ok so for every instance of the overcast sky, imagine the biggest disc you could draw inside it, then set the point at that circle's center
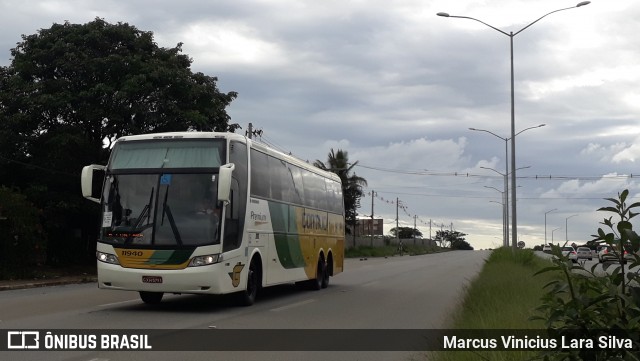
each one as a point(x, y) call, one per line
point(398, 87)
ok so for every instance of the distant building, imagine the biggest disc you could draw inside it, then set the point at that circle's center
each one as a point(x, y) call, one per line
point(367, 226)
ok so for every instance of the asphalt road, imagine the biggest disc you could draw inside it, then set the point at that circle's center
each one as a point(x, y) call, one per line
point(409, 292)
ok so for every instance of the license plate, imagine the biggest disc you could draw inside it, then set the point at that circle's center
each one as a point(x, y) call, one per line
point(151, 279)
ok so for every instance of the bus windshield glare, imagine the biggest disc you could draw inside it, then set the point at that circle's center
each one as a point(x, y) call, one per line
point(162, 154)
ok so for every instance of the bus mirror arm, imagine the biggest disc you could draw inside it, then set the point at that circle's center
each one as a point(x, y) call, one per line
point(224, 182)
point(91, 182)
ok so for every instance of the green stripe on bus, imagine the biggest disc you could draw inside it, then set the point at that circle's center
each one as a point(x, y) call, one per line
point(289, 252)
point(279, 216)
point(287, 245)
point(179, 257)
point(169, 257)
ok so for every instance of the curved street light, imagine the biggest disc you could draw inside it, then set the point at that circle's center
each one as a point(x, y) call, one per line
point(552, 233)
point(566, 227)
point(545, 224)
point(505, 210)
point(514, 227)
point(505, 220)
point(506, 179)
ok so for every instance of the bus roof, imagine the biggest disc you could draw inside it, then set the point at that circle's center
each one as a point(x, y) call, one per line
point(181, 135)
point(231, 136)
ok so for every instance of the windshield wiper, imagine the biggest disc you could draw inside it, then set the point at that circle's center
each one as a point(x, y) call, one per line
point(146, 213)
point(167, 210)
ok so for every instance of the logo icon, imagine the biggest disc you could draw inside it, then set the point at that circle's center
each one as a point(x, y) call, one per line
point(235, 275)
point(23, 340)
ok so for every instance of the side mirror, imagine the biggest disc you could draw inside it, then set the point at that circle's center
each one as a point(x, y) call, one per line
point(91, 180)
point(224, 182)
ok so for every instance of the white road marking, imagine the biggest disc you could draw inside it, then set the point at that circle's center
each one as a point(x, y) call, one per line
point(301, 303)
point(118, 303)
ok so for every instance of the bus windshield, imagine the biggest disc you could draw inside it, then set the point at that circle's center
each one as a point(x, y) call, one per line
point(161, 209)
point(157, 154)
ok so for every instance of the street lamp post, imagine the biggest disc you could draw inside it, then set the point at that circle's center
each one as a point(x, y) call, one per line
point(506, 178)
point(506, 209)
point(552, 234)
point(514, 226)
point(505, 220)
point(566, 228)
point(545, 224)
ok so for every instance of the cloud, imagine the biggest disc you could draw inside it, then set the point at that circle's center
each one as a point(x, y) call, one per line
point(226, 43)
point(398, 87)
point(627, 153)
point(419, 154)
point(616, 153)
point(607, 185)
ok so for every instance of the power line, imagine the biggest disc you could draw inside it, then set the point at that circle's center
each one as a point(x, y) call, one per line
point(488, 197)
point(426, 172)
point(400, 204)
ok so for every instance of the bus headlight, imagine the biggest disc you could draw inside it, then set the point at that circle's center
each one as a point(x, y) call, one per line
point(205, 260)
point(107, 258)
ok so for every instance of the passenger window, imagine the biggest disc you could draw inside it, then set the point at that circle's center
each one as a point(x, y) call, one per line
point(276, 178)
point(298, 186)
point(260, 178)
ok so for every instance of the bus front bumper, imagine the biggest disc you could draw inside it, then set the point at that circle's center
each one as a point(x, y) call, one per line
point(211, 279)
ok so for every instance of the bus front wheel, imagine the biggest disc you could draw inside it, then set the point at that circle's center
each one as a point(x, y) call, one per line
point(248, 296)
point(151, 298)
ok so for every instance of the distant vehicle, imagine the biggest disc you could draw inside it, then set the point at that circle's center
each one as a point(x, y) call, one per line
point(570, 253)
point(628, 253)
point(584, 253)
point(546, 248)
point(607, 253)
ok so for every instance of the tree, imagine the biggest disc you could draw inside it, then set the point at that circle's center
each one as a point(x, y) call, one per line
point(338, 163)
point(106, 81)
point(453, 240)
point(21, 240)
point(71, 91)
point(406, 232)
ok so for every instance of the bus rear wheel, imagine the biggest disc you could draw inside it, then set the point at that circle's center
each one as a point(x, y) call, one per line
point(321, 272)
point(151, 298)
point(325, 276)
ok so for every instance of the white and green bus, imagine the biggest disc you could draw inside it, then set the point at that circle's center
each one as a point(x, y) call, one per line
point(212, 213)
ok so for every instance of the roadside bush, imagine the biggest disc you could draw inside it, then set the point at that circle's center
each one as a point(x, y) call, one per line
point(586, 304)
point(21, 237)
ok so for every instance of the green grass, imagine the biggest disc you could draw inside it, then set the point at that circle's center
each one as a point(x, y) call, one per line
point(504, 296)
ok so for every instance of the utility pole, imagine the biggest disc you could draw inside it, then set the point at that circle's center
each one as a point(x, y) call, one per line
point(372, 197)
point(397, 220)
point(415, 229)
point(355, 229)
point(251, 133)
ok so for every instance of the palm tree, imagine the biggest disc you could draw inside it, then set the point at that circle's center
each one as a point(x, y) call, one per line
point(338, 163)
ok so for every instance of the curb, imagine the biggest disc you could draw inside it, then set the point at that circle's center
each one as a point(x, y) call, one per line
point(16, 285)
